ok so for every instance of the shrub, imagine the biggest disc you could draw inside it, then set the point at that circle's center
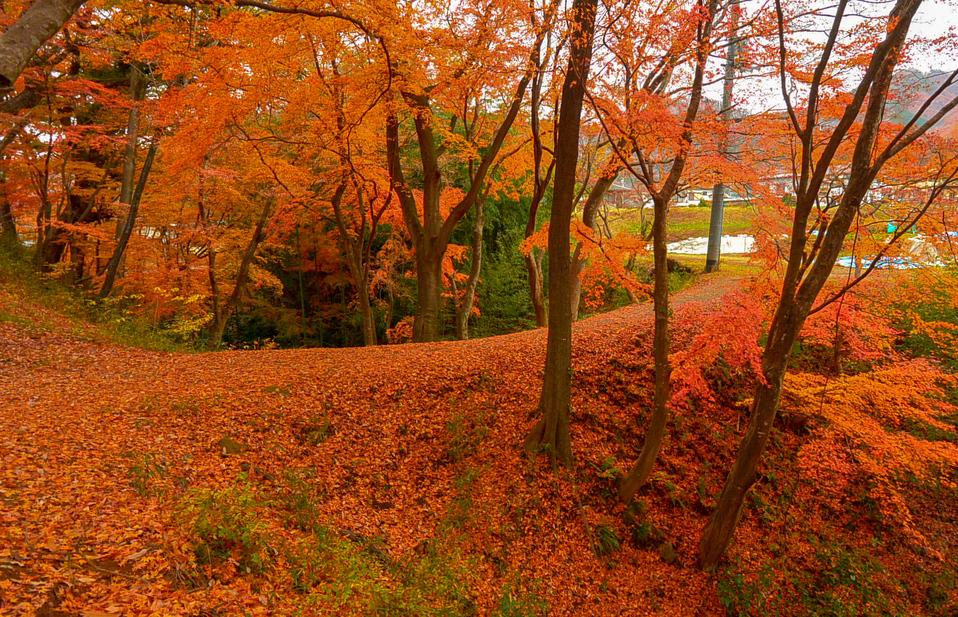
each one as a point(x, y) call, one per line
point(226, 524)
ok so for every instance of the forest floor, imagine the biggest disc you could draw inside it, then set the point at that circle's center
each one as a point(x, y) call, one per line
point(386, 480)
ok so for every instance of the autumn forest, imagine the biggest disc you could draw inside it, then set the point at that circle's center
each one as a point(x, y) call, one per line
point(479, 307)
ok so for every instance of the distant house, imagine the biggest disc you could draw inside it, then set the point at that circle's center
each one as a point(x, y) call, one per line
point(627, 192)
point(779, 185)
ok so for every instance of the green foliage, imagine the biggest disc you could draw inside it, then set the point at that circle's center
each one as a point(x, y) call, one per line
point(335, 572)
point(609, 469)
point(315, 431)
point(935, 306)
point(435, 583)
point(298, 500)
point(283, 391)
point(938, 589)
point(504, 301)
point(930, 432)
point(460, 509)
point(690, 222)
point(144, 471)
point(467, 430)
point(343, 574)
point(112, 319)
point(517, 603)
point(839, 582)
point(227, 524)
point(606, 540)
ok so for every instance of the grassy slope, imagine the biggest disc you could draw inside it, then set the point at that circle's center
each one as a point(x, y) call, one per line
point(391, 481)
point(45, 305)
point(687, 222)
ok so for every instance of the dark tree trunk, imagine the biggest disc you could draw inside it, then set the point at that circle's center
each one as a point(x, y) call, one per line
point(214, 291)
point(8, 226)
point(541, 179)
point(128, 178)
point(428, 322)
point(367, 315)
point(536, 291)
point(655, 435)
point(551, 433)
point(223, 312)
point(113, 267)
point(728, 511)
point(464, 310)
point(589, 212)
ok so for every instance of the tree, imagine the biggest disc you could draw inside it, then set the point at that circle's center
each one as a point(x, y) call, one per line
point(844, 128)
point(541, 177)
point(429, 228)
point(638, 112)
point(128, 223)
point(551, 432)
point(131, 189)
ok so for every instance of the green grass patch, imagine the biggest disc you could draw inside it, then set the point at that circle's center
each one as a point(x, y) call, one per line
point(228, 524)
point(685, 222)
point(43, 303)
point(837, 581)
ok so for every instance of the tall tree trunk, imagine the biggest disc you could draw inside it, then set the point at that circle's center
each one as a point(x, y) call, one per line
point(721, 527)
point(215, 299)
point(128, 178)
point(717, 214)
point(551, 433)
point(113, 267)
point(33, 28)
point(536, 289)
point(655, 435)
point(575, 294)
point(464, 310)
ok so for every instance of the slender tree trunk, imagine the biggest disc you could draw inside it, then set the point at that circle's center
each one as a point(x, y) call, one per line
point(721, 527)
point(800, 289)
point(589, 212)
point(639, 474)
point(113, 267)
point(221, 316)
point(551, 433)
point(214, 291)
point(128, 178)
point(536, 291)
point(464, 310)
point(578, 266)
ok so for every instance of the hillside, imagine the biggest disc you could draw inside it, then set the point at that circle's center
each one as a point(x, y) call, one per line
point(386, 480)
